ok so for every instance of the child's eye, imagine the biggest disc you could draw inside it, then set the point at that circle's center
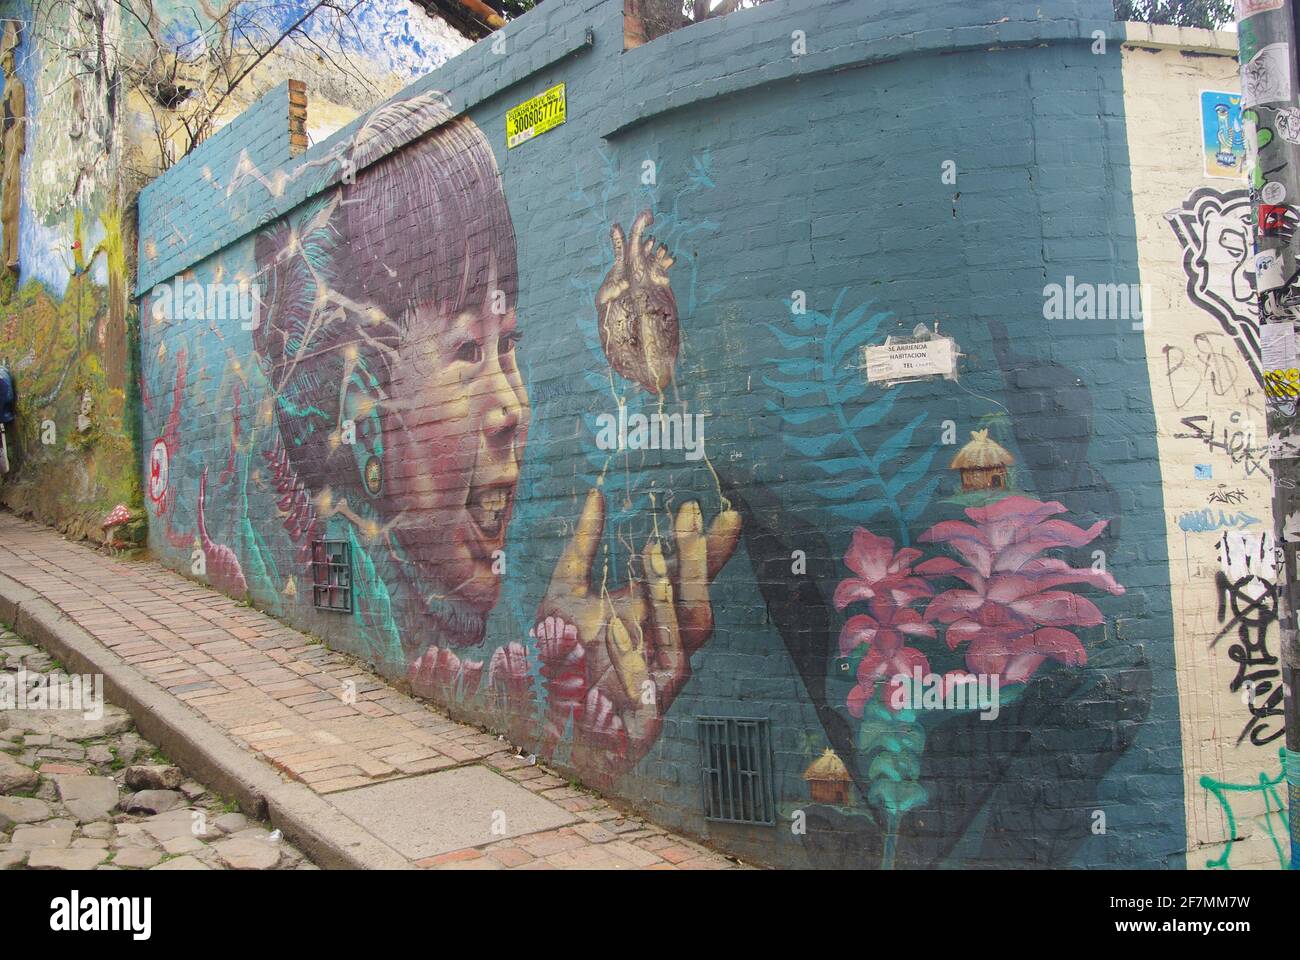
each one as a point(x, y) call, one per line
point(469, 352)
point(506, 344)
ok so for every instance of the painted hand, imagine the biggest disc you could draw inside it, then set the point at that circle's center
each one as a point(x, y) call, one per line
point(616, 661)
point(636, 311)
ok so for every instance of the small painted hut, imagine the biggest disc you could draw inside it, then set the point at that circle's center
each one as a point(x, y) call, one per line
point(982, 463)
point(828, 779)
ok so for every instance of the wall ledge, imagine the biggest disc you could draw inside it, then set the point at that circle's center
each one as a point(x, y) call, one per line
point(862, 52)
point(1164, 37)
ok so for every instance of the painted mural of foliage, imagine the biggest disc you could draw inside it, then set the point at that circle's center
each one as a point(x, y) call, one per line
point(869, 474)
point(55, 348)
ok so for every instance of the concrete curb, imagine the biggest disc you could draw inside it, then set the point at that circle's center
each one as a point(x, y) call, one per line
point(310, 822)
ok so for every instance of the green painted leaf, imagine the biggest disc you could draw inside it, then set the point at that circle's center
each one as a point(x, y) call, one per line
point(259, 568)
point(797, 416)
point(921, 499)
point(374, 609)
point(851, 392)
point(798, 367)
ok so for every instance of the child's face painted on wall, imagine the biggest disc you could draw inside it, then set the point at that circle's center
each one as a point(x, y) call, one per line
point(454, 436)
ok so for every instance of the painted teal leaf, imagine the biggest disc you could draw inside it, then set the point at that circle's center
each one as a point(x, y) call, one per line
point(850, 392)
point(841, 491)
point(909, 474)
point(374, 609)
point(836, 466)
point(856, 338)
point(797, 416)
point(808, 321)
point(811, 446)
point(258, 564)
point(851, 319)
point(921, 499)
point(896, 444)
point(798, 367)
point(789, 341)
point(873, 413)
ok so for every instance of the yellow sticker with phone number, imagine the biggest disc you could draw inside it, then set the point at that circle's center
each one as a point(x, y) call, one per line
point(534, 117)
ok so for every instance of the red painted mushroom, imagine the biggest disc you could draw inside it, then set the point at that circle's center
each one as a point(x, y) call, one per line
point(119, 516)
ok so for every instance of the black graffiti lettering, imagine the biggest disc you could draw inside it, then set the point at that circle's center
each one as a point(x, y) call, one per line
point(1224, 495)
point(1252, 602)
point(1236, 445)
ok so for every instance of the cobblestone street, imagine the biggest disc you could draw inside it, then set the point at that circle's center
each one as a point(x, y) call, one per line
point(82, 793)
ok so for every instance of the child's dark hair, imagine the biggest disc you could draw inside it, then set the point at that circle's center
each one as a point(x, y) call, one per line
point(424, 221)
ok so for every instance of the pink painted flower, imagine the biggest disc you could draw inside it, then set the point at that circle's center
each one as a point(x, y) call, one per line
point(886, 631)
point(881, 573)
point(889, 660)
point(886, 583)
point(1013, 616)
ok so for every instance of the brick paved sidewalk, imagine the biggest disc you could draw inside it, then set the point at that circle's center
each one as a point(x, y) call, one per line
point(279, 695)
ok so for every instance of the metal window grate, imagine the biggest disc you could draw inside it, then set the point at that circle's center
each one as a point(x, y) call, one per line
point(736, 769)
point(331, 574)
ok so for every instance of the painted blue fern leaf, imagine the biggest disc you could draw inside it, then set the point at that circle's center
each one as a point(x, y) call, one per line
point(869, 472)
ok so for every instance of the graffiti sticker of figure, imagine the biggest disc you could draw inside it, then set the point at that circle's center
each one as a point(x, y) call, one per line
point(402, 421)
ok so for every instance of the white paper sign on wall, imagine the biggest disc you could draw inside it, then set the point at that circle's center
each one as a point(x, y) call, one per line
point(903, 359)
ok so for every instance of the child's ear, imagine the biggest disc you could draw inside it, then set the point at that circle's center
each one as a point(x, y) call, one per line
point(360, 430)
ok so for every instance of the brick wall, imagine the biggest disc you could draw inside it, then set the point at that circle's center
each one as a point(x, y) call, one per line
point(798, 163)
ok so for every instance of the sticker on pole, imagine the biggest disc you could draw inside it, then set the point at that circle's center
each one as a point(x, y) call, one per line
point(534, 117)
point(1248, 8)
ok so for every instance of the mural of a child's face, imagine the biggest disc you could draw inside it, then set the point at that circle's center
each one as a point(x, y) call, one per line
point(454, 431)
point(392, 311)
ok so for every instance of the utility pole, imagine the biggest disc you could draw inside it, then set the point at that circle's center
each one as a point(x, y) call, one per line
point(1270, 71)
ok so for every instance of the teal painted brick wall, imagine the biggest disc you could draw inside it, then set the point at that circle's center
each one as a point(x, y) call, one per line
point(772, 174)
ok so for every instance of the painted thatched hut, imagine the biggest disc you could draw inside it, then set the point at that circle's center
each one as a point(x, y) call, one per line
point(982, 463)
point(828, 779)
